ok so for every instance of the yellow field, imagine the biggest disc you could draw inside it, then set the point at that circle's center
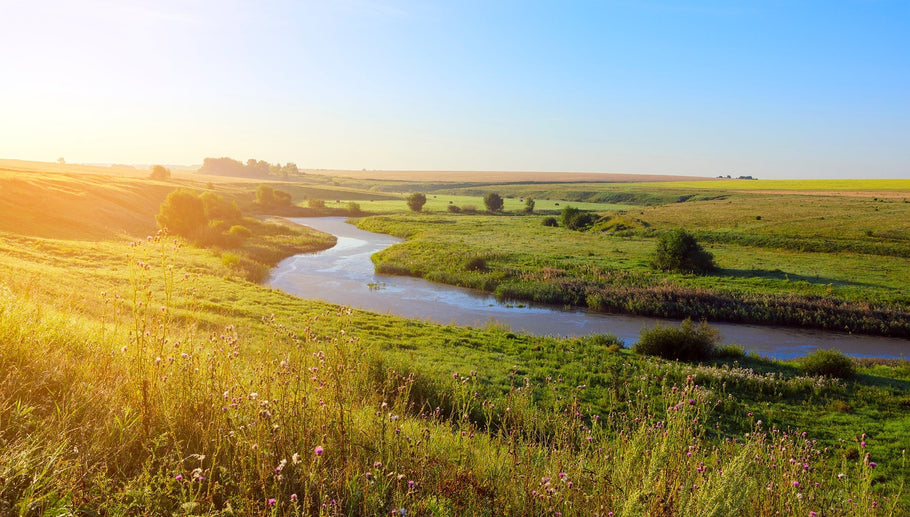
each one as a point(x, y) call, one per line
point(885, 187)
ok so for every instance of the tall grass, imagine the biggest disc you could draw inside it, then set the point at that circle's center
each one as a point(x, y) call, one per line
point(154, 410)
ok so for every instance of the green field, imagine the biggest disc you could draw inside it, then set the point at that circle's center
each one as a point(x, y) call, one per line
point(149, 376)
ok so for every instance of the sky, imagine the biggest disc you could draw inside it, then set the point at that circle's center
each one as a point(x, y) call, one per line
point(771, 89)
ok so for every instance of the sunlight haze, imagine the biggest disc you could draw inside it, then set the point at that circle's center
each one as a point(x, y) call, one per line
point(772, 89)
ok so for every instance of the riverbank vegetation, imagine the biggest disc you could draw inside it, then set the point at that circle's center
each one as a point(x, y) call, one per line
point(145, 376)
point(828, 262)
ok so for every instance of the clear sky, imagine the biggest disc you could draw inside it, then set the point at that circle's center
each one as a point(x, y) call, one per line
point(773, 89)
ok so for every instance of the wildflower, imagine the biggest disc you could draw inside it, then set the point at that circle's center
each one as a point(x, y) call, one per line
point(272, 502)
point(411, 484)
point(295, 458)
point(872, 464)
point(369, 476)
point(179, 477)
point(813, 514)
point(796, 483)
point(293, 498)
point(318, 450)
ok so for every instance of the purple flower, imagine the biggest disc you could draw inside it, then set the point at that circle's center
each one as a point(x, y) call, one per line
point(272, 502)
point(293, 498)
point(872, 464)
point(318, 450)
point(179, 477)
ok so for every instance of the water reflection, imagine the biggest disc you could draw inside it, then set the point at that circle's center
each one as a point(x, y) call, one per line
point(345, 275)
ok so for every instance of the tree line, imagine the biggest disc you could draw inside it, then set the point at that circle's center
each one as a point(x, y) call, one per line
point(252, 168)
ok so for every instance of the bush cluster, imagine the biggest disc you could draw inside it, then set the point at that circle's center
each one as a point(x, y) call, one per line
point(576, 219)
point(828, 363)
point(689, 342)
point(677, 250)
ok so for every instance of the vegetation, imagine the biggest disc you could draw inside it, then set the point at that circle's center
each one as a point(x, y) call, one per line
point(252, 168)
point(174, 386)
point(160, 172)
point(529, 206)
point(272, 198)
point(689, 342)
point(763, 277)
point(828, 363)
point(493, 202)
point(677, 250)
point(416, 201)
point(575, 219)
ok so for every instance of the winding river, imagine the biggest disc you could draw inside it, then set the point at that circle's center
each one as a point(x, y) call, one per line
point(345, 275)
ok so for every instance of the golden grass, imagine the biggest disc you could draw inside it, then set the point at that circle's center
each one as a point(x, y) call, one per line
point(866, 187)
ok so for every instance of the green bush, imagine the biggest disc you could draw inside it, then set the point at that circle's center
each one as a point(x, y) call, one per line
point(182, 213)
point(216, 207)
point(677, 250)
point(476, 264)
point(315, 203)
point(493, 202)
point(828, 363)
point(416, 201)
point(454, 209)
point(549, 221)
point(529, 205)
point(575, 219)
point(689, 342)
point(354, 209)
point(241, 232)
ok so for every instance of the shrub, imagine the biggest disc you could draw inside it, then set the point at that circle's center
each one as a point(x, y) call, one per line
point(493, 202)
point(354, 208)
point(454, 209)
point(182, 213)
point(529, 205)
point(689, 342)
point(828, 363)
point(476, 264)
point(416, 201)
point(608, 341)
point(677, 250)
point(549, 221)
point(315, 203)
point(575, 219)
point(216, 207)
point(265, 195)
point(241, 232)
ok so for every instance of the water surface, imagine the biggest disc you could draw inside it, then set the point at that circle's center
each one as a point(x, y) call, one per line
point(345, 275)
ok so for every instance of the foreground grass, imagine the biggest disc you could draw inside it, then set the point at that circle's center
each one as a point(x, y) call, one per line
point(182, 388)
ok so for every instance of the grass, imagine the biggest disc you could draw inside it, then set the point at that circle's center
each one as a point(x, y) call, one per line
point(817, 264)
point(172, 385)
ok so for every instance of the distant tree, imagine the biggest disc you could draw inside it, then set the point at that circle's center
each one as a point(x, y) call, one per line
point(416, 201)
point(160, 172)
point(677, 250)
point(61, 161)
point(493, 202)
point(529, 205)
point(290, 169)
point(182, 213)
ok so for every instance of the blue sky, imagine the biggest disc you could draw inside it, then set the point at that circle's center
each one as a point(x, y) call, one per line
point(774, 89)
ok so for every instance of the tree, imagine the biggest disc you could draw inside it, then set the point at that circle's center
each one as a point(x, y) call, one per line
point(529, 205)
point(416, 201)
point(160, 172)
point(265, 195)
point(677, 250)
point(182, 213)
point(218, 208)
point(493, 202)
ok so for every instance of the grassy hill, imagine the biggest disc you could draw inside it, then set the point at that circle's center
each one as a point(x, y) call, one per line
point(146, 376)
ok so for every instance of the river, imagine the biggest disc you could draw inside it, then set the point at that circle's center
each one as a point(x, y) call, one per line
point(344, 275)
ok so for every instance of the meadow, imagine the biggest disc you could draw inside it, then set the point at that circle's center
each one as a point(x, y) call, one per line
point(808, 260)
point(141, 375)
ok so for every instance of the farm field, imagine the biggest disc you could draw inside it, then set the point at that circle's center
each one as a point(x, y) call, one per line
point(141, 373)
